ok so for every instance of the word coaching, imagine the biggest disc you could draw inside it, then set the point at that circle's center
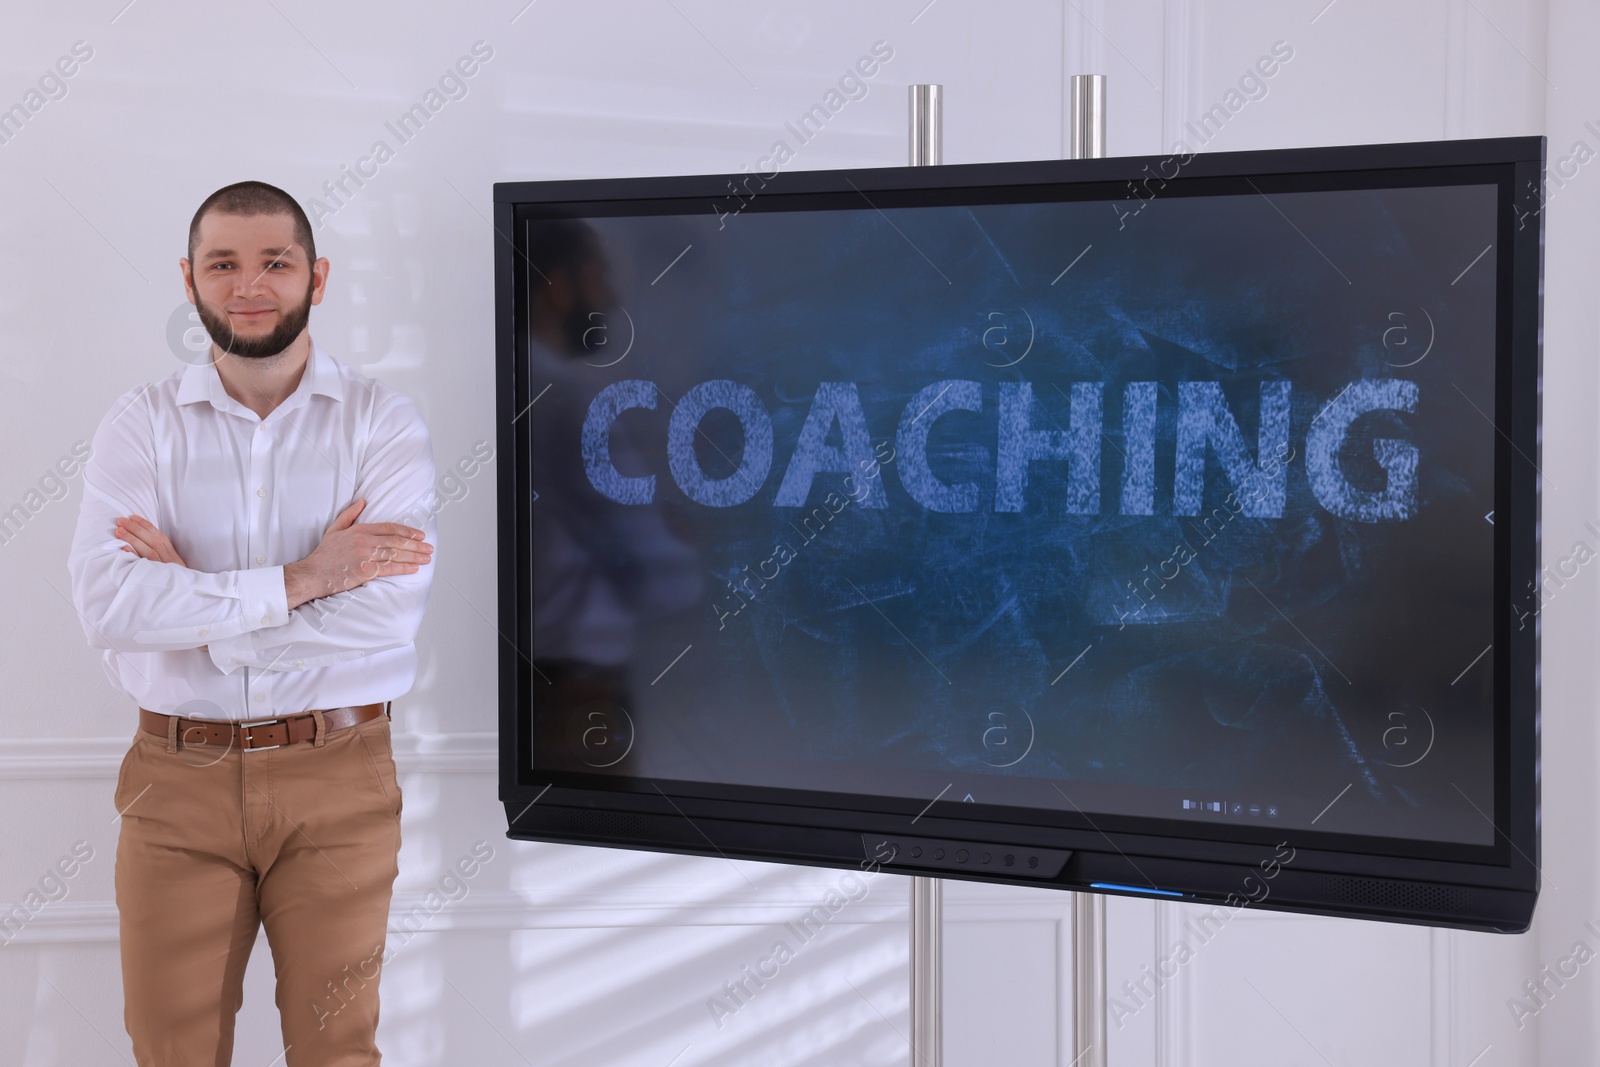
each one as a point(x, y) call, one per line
point(1204, 424)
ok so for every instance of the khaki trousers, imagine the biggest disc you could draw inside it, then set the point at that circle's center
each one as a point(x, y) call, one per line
point(302, 840)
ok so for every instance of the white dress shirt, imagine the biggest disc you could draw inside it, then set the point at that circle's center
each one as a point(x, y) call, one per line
point(240, 496)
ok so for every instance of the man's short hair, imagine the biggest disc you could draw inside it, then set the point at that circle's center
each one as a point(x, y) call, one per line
point(255, 198)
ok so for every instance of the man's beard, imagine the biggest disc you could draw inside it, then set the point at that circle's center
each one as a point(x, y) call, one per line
point(218, 326)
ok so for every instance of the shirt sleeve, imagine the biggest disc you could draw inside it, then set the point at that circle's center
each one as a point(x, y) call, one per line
point(131, 604)
point(396, 480)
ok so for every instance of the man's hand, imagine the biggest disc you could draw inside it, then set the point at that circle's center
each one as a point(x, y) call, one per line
point(147, 542)
point(353, 554)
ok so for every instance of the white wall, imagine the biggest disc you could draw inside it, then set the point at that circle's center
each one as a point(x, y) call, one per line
point(575, 956)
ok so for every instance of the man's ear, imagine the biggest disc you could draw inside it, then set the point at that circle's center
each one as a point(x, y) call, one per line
point(186, 269)
point(319, 279)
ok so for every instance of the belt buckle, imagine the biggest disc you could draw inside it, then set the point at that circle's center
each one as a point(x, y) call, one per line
point(245, 728)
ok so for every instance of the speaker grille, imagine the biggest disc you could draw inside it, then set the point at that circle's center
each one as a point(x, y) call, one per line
point(1378, 893)
point(600, 824)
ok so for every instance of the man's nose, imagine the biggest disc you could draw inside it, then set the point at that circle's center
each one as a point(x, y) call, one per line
point(247, 282)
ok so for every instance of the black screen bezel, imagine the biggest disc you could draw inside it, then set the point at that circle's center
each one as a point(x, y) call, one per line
point(1514, 165)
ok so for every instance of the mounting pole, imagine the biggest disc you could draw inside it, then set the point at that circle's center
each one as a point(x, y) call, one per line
point(927, 898)
point(1088, 111)
point(1089, 979)
point(927, 125)
point(1088, 141)
point(927, 972)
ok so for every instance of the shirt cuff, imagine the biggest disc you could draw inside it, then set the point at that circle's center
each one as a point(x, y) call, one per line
point(263, 598)
point(229, 653)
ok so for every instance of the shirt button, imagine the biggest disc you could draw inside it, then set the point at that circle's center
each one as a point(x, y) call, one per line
point(261, 559)
point(267, 617)
point(260, 697)
point(261, 492)
point(299, 666)
point(204, 631)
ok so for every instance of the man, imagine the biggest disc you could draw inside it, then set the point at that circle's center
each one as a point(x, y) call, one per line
point(601, 572)
point(262, 631)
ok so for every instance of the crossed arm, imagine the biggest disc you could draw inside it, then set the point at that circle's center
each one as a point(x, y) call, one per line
point(148, 542)
point(361, 590)
point(349, 556)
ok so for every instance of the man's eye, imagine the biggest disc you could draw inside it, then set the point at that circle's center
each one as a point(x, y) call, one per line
point(278, 263)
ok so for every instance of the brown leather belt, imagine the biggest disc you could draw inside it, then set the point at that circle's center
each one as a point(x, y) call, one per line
point(258, 733)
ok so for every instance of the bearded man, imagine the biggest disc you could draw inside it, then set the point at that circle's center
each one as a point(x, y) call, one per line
point(262, 632)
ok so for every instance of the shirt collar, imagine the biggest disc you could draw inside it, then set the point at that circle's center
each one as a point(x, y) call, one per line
point(201, 381)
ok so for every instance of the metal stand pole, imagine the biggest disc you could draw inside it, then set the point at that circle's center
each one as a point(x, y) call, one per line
point(1088, 141)
point(927, 903)
point(1088, 111)
point(927, 125)
point(927, 973)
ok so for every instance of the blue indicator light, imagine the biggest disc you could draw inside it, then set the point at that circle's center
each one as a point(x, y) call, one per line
point(1135, 889)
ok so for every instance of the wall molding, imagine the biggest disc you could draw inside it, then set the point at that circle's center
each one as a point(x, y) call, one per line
point(1441, 992)
point(1173, 1009)
point(1454, 119)
point(1179, 69)
point(578, 907)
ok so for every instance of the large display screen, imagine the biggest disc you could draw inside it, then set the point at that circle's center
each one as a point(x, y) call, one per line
point(1165, 504)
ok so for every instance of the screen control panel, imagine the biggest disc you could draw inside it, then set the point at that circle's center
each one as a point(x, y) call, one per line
point(945, 854)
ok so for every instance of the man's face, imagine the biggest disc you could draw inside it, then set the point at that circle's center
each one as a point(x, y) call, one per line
point(251, 283)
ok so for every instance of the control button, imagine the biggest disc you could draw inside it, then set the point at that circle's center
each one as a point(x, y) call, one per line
point(977, 857)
